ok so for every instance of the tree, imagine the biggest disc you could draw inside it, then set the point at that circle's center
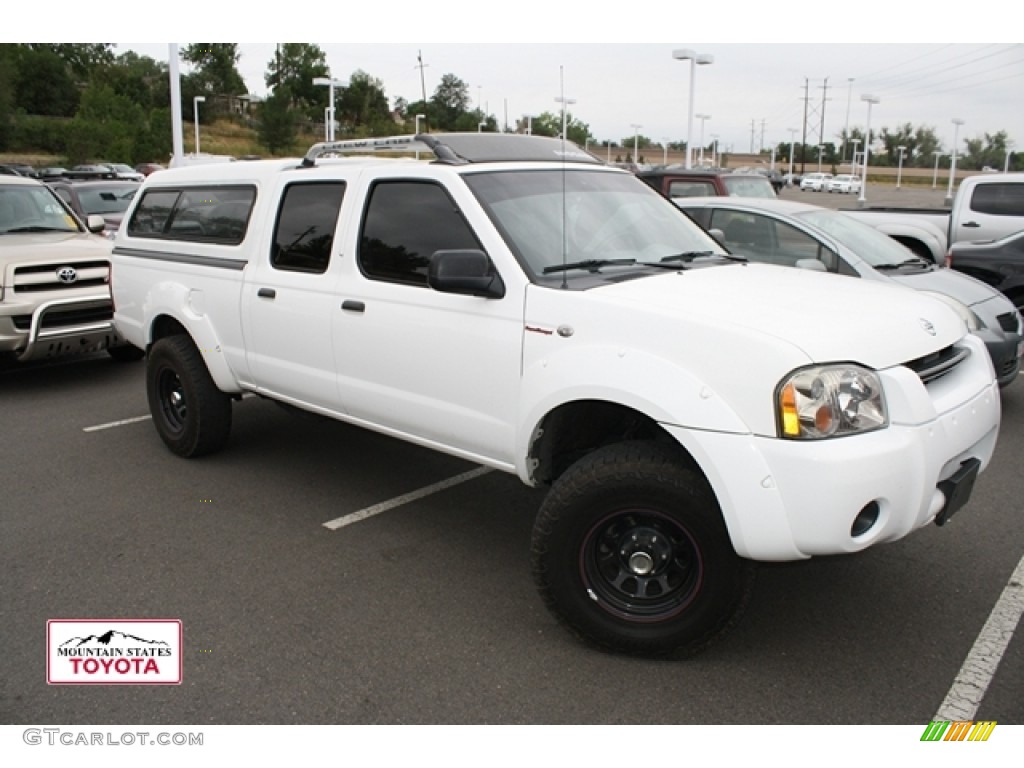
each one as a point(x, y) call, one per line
point(550, 124)
point(43, 83)
point(362, 104)
point(990, 151)
point(277, 125)
point(81, 59)
point(449, 102)
point(216, 68)
point(294, 65)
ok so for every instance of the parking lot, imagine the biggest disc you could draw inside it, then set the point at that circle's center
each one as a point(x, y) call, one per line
point(422, 609)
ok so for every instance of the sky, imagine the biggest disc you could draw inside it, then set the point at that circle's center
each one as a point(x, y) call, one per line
point(754, 92)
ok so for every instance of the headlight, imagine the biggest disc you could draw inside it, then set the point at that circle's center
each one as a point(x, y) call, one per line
point(830, 401)
point(966, 313)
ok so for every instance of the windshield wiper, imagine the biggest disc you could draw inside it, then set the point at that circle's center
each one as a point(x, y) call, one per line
point(688, 256)
point(591, 265)
point(917, 261)
point(37, 228)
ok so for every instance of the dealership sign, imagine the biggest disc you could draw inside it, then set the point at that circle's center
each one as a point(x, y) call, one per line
point(113, 651)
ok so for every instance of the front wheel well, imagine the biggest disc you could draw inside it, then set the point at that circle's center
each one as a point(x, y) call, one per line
point(915, 245)
point(574, 430)
point(164, 326)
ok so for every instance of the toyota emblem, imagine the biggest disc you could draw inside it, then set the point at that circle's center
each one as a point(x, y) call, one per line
point(927, 326)
point(67, 275)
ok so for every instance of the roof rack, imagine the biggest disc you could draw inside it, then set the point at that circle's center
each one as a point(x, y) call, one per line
point(460, 148)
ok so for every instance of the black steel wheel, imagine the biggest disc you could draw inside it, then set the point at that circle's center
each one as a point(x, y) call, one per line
point(631, 553)
point(190, 414)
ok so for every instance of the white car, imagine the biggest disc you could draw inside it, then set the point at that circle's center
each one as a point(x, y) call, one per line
point(815, 182)
point(844, 183)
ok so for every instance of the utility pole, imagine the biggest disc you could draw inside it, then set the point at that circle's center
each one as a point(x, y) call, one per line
point(753, 125)
point(824, 98)
point(423, 83)
point(760, 149)
point(803, 139)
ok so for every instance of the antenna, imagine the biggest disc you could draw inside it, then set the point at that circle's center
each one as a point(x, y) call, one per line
point(561, 97)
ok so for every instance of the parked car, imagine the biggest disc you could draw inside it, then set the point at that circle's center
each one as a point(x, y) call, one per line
point(815, 182)
point(54, 278)
point(1000, 263)
point(91, 171)
point(147, 168)
point(676, 181)
point(18, 169)
point(108, 199)
point(796, 234)
point(844, 183)
point(774, 177)
point(51, 173)
point(125, 172)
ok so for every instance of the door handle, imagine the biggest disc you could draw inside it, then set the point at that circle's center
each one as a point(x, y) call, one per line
point(353, 306)
point(973, 224)
point(266, 293)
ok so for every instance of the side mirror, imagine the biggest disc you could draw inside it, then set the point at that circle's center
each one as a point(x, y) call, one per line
point(718, 235)
point(95, 223)
point(812, 264)
point(467, 272)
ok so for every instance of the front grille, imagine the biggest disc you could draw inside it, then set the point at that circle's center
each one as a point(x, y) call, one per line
point(38, 278)
point(59, 318)
point(1008, 322)
point(937, 364)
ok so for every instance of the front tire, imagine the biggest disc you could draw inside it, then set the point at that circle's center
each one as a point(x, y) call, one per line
point(630, 552)
point(190, 414)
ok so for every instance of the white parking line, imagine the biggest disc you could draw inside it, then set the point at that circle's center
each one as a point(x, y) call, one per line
point(398, 501)
point(111, 424)
point(979, 667)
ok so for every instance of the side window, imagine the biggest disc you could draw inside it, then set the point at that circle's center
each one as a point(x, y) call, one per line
point(691, 189)
point(201, 214)
point(999, 199)
point(304, 233)
point(404, 224)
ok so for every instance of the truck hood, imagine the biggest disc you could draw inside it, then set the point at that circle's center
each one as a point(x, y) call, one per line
point(828, 317)
point(47, 247)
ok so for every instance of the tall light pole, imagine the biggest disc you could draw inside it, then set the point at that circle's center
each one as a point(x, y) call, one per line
point(331, 84)
point(957, 122)
point(686, 54)
point(853, 160)
point(417, 131)
point(636, 138)
point(565, 102)
point(702, 118)
point(820, 148)
point(792, 146)
point(195, 117)
point(899, 169)
point(935, 173)
point(862, 200)
point(529, 125)
point(714, 150)
point(1006, 162)
point(846, 132)
point(664, 150)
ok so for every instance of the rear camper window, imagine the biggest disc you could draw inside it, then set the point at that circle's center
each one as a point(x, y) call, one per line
point(200, 214)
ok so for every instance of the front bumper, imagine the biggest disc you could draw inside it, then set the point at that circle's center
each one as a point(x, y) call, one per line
point(60, 327)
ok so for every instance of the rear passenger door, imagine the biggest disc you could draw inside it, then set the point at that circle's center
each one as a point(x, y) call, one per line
point(289, 299)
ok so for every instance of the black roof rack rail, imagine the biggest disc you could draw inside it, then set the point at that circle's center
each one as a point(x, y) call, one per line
point(460, 148)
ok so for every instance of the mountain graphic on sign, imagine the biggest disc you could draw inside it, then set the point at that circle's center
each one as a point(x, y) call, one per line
point(108, 638)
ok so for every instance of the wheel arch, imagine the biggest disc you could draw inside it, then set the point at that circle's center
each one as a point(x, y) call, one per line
point(166, 324)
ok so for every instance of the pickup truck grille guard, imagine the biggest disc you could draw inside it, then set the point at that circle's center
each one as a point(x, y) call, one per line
point(937, 364)
point(92, 326)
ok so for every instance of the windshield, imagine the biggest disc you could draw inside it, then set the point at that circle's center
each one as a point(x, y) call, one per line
point(748, 186)
point(866, 242)
point(33, 209)
point(555, 217)
point(113, 198)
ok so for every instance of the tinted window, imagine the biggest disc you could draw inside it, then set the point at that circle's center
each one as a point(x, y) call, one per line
point(405, 223)
point(691, 189)
point(201, 214)
point(999, 199)
point(304, 235)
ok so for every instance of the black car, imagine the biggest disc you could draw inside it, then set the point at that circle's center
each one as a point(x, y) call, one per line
point(1000, 263)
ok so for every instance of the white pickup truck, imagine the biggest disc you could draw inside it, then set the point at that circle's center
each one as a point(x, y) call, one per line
point(519, 304)
point(986, 207)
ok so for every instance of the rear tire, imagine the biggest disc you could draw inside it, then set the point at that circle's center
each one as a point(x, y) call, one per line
point(190, 414)
point(630, 552)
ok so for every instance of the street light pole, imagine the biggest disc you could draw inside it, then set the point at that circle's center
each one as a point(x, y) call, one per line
point(195, 116)
point(792, 146)
point(686, 54)
point(331, 84)
point(853, 160)
point(820, 147)
point(862, 200)
point(714, 150)
point(664, 150)
point(935, 173)
point(702, 118)
point(565, 102)
point(957, 122)
point(846, 132)
point(899, 169)
point(636, 137)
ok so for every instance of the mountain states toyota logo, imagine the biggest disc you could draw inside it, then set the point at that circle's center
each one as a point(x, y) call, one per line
point(113, 651)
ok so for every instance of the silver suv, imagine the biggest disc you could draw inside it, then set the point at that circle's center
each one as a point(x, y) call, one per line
point(54, 278)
